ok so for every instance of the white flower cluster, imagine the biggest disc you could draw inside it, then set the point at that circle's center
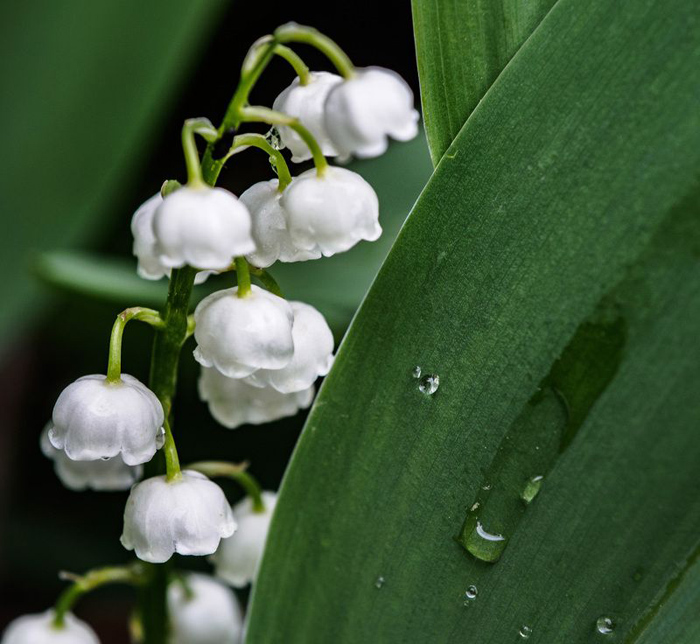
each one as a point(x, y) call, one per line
point(260, 354)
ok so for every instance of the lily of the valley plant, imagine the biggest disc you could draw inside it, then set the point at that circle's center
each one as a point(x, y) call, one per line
point(260, 354)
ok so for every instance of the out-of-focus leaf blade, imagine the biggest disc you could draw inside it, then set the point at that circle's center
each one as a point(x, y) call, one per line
point(85, 86)
point(554, 257)
point(461, 48)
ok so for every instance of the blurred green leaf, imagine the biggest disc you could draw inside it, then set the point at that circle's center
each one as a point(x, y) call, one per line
point(550, 275)
point(85, 86)
point(461, 48)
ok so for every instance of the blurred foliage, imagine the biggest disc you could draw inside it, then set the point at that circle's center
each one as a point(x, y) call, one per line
point(83, 85)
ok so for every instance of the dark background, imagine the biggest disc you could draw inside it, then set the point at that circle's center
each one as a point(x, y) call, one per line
point(45, 528)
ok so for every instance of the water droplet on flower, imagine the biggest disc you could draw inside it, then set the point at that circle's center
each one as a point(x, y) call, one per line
point(532, 488)
point(105, 458)
point(160, 437)
point(429, 384)
point(605, 625)
point(525, 631)
point(416, 373)
point(471, 592)
point(273, 138)
point(380, 582)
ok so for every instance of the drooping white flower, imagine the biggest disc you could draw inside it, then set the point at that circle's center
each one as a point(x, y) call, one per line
point(238, 557)
point(188, 515)
point(101, 475)
point(203, 227)
point(306, 102)
point(94, 418)
point(313, 353)
point(331, 212)
point(363, 111)
point(203, 611)
point(239, 335)
point(270, 233)
point(233, 402)
point(39, 629)
point(144, 248)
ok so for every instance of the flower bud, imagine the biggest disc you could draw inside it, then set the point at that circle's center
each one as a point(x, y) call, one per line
point(306, 102)
point(272, 239)
point(203, 611)
point(363, 111)
point(188, 515)
point(40, 629)
point(239, 335)
point(313, 353)
point(234, 402)
point(331, 212)
point(94, 419)
point(101, 475)
point(203, 227)
point(238, 557)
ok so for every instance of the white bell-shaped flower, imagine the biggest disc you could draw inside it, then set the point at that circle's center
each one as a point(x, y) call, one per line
point(203, 611)
point(39, 629)
point(363, 111)
point(94, 418)
point(238, 557)
point(233, 402)
point(239, 335)
point(188, 515)
point(306, 102)
point(331, 212)
point(101, 475)
point(313, 353)
point(203, 227)
point(272, 240)
point(144, 248)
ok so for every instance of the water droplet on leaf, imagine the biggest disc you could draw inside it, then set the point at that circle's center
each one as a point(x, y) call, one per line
point(429, 384)
point(532, 489)
point(471, 592)
point(525, 631)
point(605, 625)
point(416, 373)
point(380, 582)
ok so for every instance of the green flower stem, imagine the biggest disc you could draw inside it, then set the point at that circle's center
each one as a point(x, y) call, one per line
point(244, 141)
point(91, 580)
point(172, 461)
point(242, 276)
point(296, 62)
point(191, 127)
point(114, 366)
point(265, 115)
point(292, 32)
point(269, 282)
point(237, 472)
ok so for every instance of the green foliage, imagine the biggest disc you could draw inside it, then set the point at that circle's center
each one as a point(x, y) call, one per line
point(462, 47)
point(557, 243)
point(79, 104)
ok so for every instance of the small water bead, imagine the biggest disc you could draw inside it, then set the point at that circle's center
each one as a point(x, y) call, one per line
point(605, 625)
point(471, 593)
point(429, 384)
point(417, 371)
point(380, 582)
point(525, 631)
point(160, 438)
point(273, 138)
point(532, 489)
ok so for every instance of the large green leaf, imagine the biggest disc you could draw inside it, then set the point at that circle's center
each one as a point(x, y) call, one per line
point(461, 48)
point(550, 275)
point(84, 89)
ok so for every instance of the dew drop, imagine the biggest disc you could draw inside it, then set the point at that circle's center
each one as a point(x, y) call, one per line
point(525, 631)
point(605, 625)
point(380, 582)
point(273, 138)
point(105, 458)
point(471, 593)
point(160, 438)
point(417, 371)
point(532, 489)
point(429, 384)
